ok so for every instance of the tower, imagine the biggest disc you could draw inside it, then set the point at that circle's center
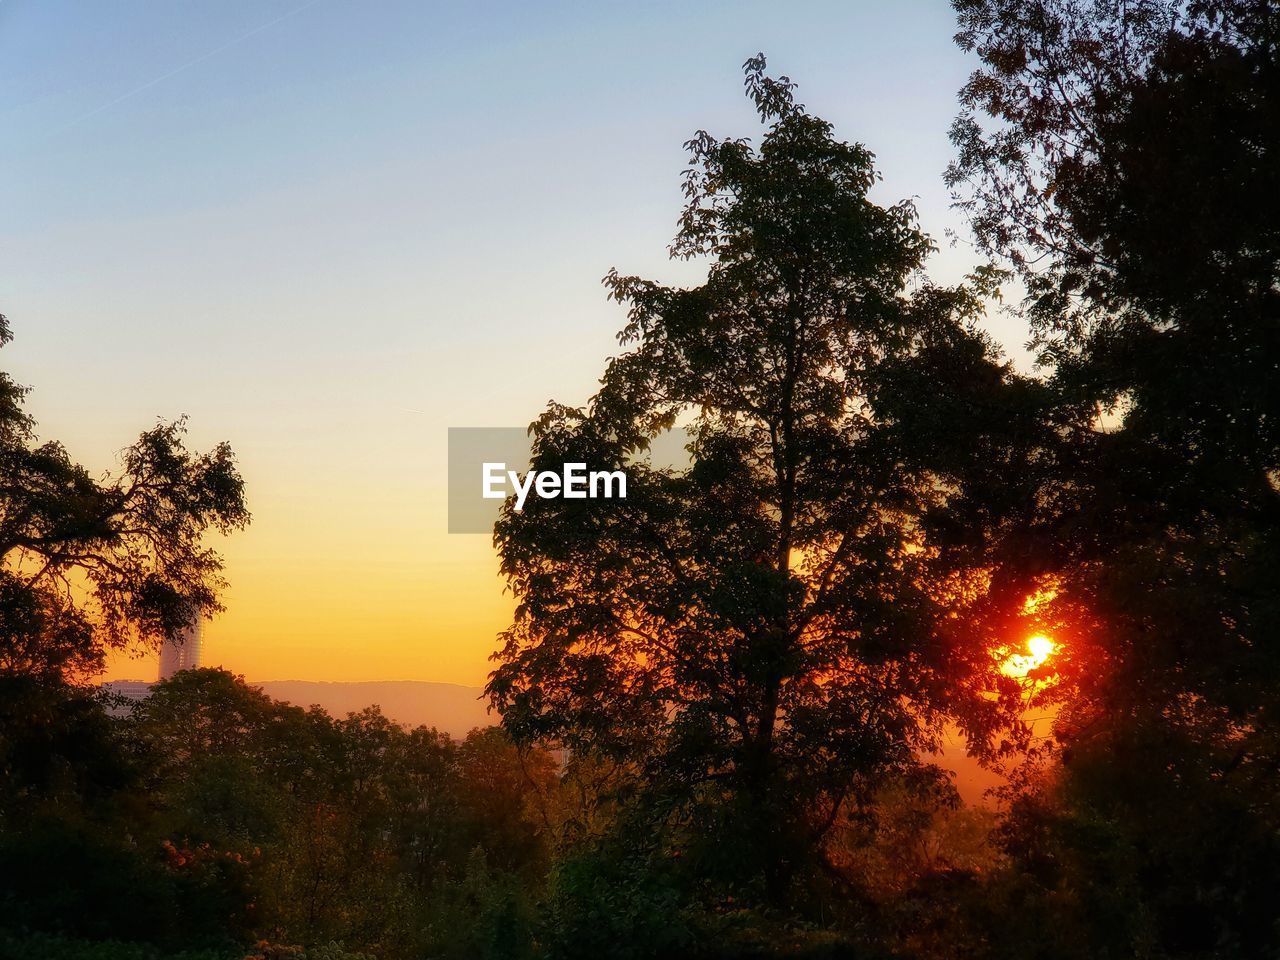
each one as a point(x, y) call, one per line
point(181, 650)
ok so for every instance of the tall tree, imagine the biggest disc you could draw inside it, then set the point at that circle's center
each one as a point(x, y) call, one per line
point(767, 629)
point(1122, 156)
point(1126, 166)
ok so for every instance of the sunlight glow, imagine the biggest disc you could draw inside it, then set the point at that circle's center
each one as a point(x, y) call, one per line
point(1039, 649)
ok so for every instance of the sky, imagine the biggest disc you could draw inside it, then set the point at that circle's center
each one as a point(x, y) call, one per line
point(328, 231)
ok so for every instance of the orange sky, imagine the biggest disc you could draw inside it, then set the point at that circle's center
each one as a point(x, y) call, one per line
point(419, 605)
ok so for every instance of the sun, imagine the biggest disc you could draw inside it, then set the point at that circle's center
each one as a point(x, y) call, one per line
point(1039, 649)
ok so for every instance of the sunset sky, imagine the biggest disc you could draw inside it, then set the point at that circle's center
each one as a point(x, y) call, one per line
point(328, 231)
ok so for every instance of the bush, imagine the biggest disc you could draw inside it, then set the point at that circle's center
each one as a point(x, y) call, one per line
point(602, 905)
point(40, 946)
point(68, 880)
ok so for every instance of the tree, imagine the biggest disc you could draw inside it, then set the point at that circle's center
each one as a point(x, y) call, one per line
point(1122, 157)
point(1126, 169)
point(92, 564)
point(769, 632)
point(87, 565)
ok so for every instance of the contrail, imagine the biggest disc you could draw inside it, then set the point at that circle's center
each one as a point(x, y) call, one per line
point(188, 65)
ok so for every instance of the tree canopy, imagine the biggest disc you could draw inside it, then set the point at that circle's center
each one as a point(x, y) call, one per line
point(89, 564)
point(1122, 157)
point(771, 625)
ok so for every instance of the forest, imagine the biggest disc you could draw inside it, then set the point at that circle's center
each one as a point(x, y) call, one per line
point(722, 697)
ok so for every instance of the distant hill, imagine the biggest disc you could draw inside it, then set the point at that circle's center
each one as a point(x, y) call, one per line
point(449, 707)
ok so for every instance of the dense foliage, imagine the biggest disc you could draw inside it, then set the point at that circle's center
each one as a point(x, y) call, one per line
point(721, 694)
point(767, 635)
point(213, 818)
point(1122, 156)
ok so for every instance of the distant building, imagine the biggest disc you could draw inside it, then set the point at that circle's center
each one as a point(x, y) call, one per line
point(182, 650)
point(130, 689)
point(129, 692)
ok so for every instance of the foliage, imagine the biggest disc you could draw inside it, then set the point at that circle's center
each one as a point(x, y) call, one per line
point(1121, 155)
point(89, 564)
point(236, 818)
point(768, 633)
point(45, 947)
point(209, 815)
point(612, 898)
point(1124, 174)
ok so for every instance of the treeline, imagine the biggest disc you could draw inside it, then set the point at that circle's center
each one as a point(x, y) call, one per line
point(209, 822)
point(719, 696)
point(209, 816)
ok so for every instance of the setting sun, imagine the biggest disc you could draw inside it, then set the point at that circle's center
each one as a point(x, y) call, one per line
point(1039, 649)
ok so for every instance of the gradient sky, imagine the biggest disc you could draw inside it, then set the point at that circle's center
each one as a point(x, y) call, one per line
point(329, 231)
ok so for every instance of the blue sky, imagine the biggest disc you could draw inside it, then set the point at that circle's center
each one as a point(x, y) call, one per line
point(292, 189)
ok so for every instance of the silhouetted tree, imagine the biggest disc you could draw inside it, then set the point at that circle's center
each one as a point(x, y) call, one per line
point(1130, 177)
point(765, 634)
point(86, 565)
point(1122, 157)
point(90, 564)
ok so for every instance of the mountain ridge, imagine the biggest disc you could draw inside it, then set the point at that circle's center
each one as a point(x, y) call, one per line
point(451, 708)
